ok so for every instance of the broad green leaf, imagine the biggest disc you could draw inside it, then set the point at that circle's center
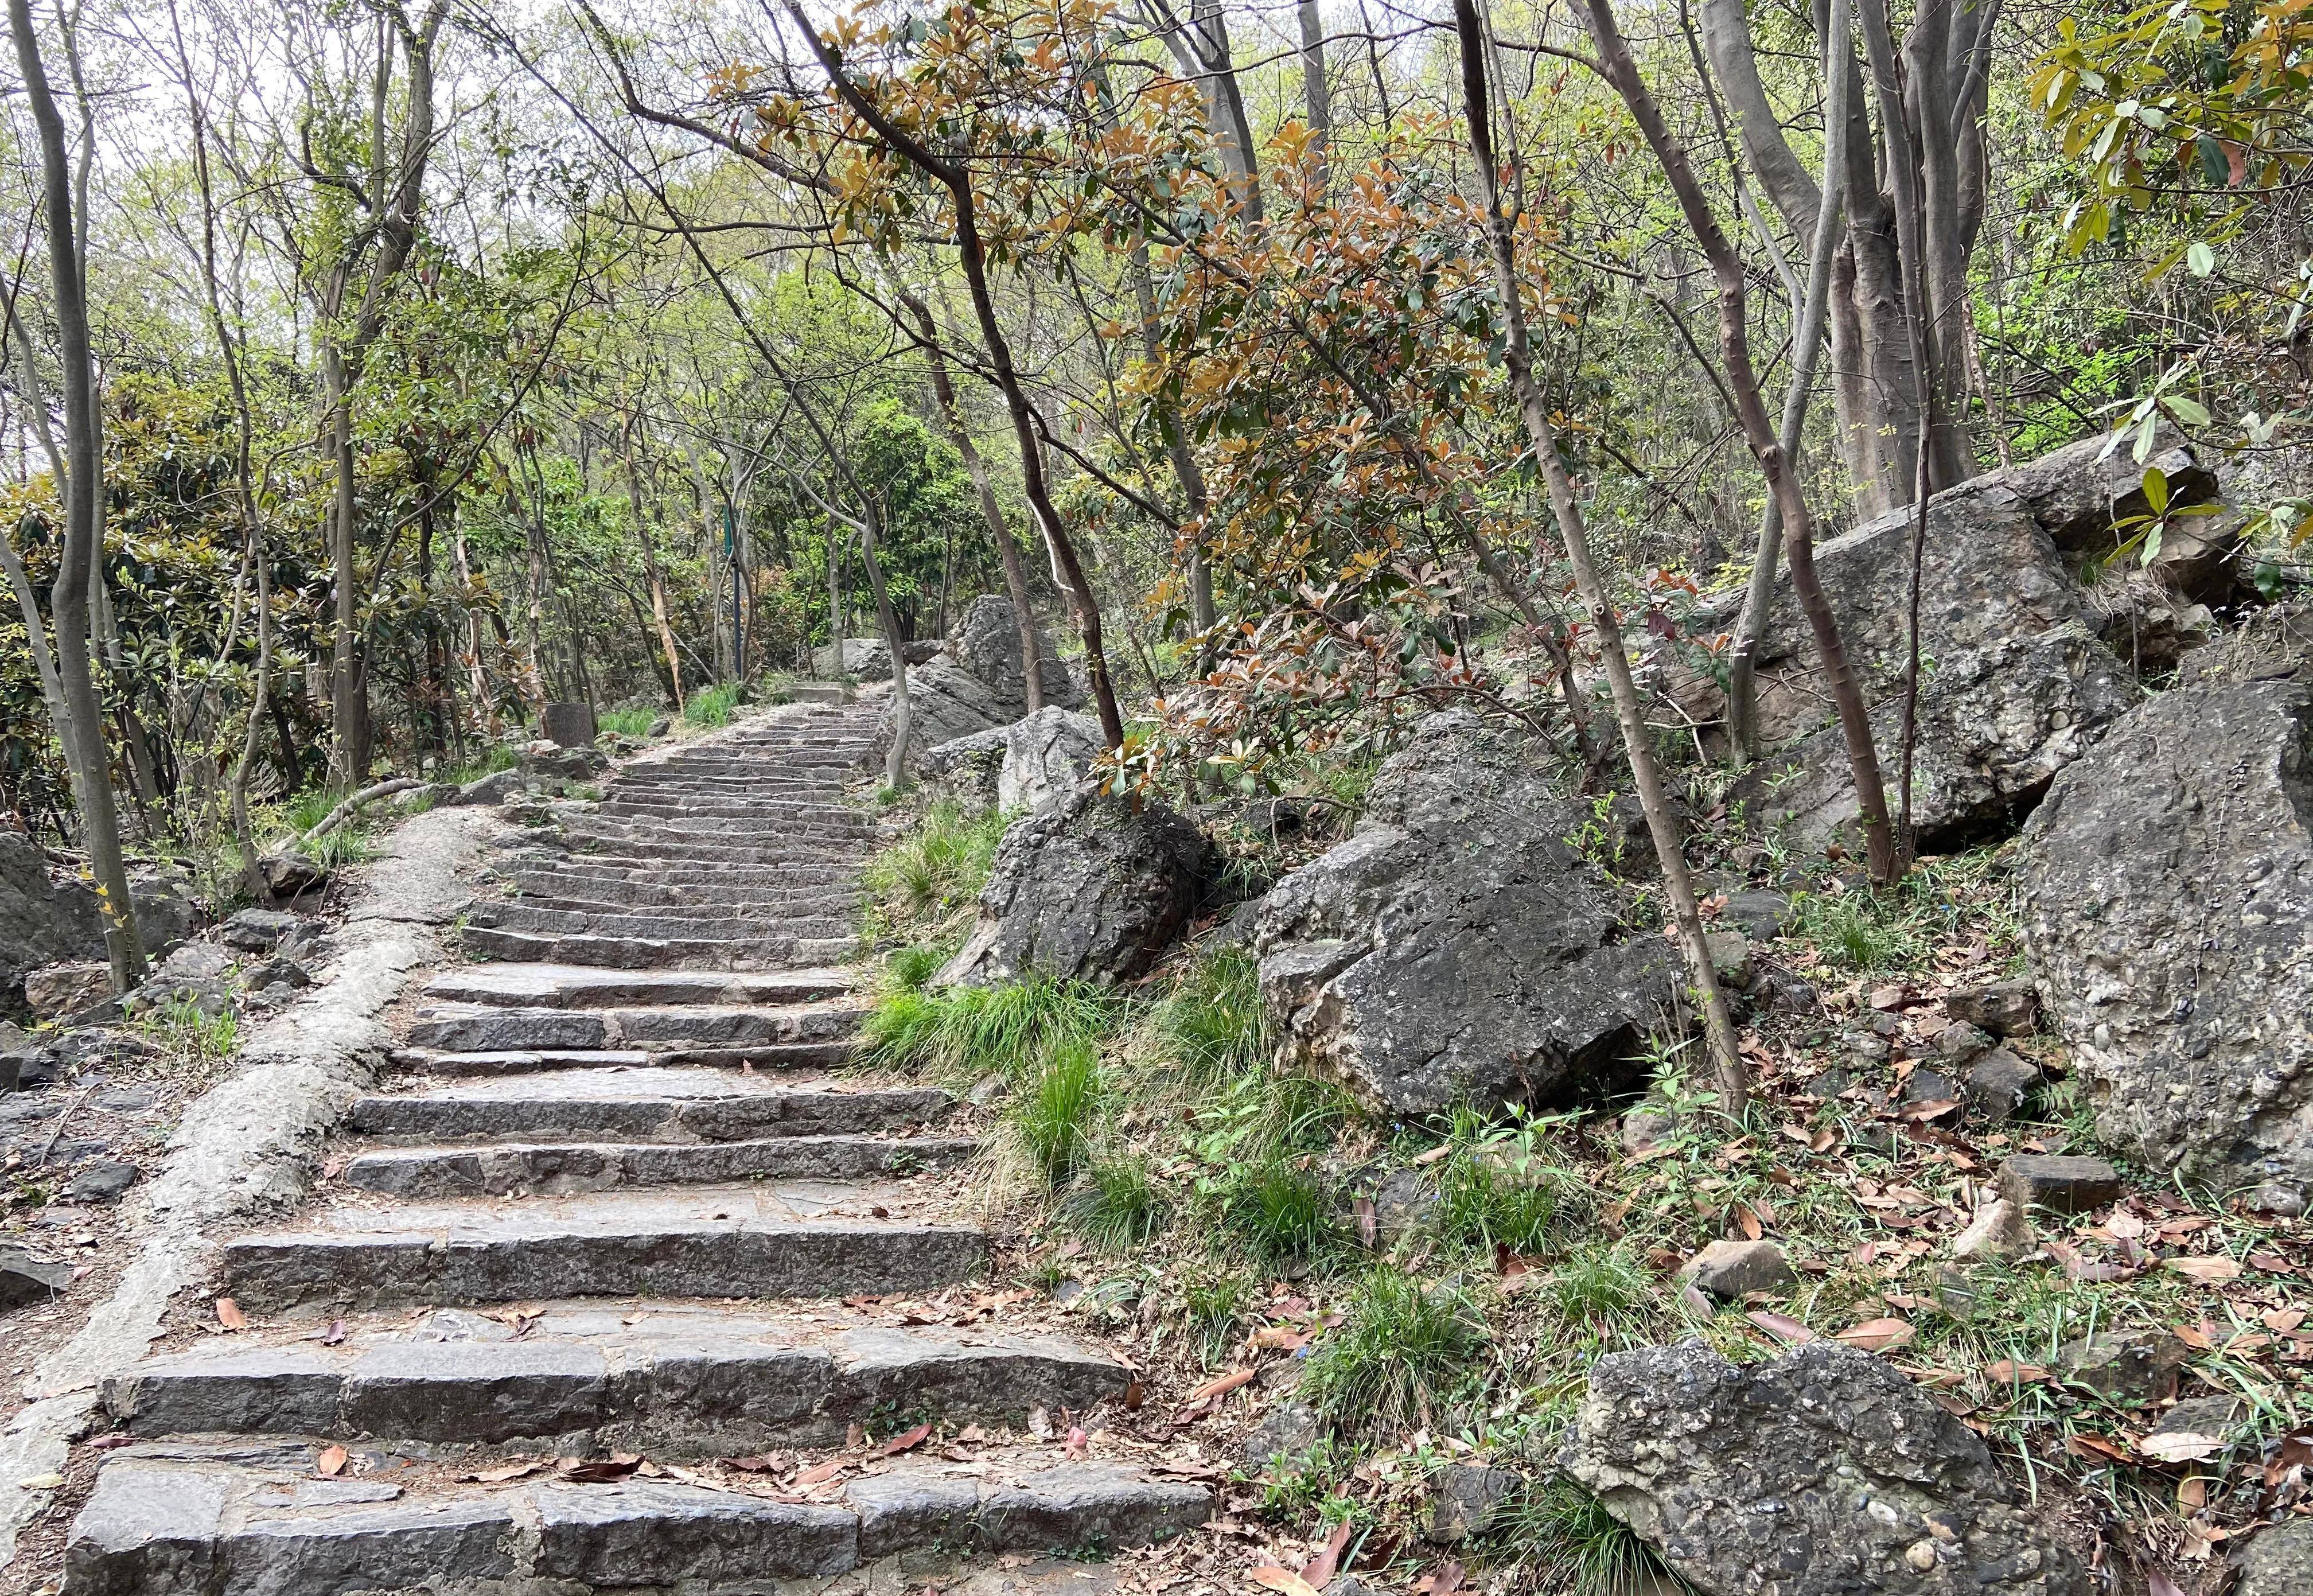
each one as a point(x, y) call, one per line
point(2201, 258)
point(2156, 488)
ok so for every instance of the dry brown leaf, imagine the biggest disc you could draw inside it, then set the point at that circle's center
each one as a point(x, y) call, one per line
point(2213, 1271)
point(902, 1442)
point(1320, 1569)
point(1221, 1384)
point(230, 1315)
point(1282, 1579)
point(1781, 1326)
point(2012, 1374)
point(2097, 1449)
point(2181, 1446)
point(331, 1463)
point(1877, 1335)
point(505, 1472)
point(820, 1473)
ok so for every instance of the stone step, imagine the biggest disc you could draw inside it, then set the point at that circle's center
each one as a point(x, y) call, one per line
point(258, 1521)
point(676, 1102)
point(669, 806)
point(800, 1238)
point(607, 896)
point(638, 952)
point(518, 916)
point(595, 867)
point(670, 1379)
point(812, 1056)
point(641, 853)
point(486, 1028)
point(576, 986)
point(605, 1166)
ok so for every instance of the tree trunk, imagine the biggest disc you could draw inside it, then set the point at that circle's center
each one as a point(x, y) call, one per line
point(1315, 94)
point(1630, 712)
point(657, 577)
point(82, 732)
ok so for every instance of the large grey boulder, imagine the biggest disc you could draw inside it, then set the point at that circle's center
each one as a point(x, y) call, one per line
point(1823, 1472)
point(1458, 946)
point(1045, 755)
point(2168, 885)
point(977, 683)
point(1088, 887)
point(45, 920)
point(968, 769)
point(2032, 632)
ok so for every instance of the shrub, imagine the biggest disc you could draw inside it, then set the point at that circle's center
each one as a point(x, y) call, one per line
point(1402, 1346)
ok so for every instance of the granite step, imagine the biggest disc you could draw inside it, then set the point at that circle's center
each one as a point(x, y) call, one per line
point(634, 898)
point(519, 916)
point(476, 1028)
point(561, 1167)
point(580, 987)
point(789, 1239)
point(258, 1521)
point(809, 1056)
point(642, 952)
point(673, 1103)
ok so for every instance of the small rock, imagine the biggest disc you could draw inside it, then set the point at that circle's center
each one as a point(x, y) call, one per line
point(125, 1100)
point(495, 788)
point(1646, 1126)
point(659, 727)
point(13, 1038)
point(1730, 957)
point(1864, 1044)
point(1959, 1042)
point(2133, 1368)
point(25, 1279)
point(56, 991)
point(1997, 1084)
point(257, 931)
point(1830, 1083)
point(290, 874)
point(2278, 1197)
point(1784, 993)
point(197, 961)
point(1929, 1086)
point(207, 997)
point(988, 1088)
point(2279, 1562)
point(277, 972)
point(1761, 916)
point(1998, 1231)
point(101, 1182)
point(1402, 1204)
point(1349, 1585)
point(1728, 1270)
point(2213, 1417)
point(2005, 1007)
point(2058, 1182)
point(1288, 1432)
point(1465, 1499)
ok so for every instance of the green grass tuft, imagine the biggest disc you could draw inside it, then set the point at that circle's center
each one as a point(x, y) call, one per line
point(1213, 1024)
point(1563, 1541)
point(626, 723)
point(1054, 1115)
point(921, 881)
point(1117, 1208)
point(964, 1033)
point(1278, 1211)
point(1402, 1348)
point(1498, 1188)
point(713, 706)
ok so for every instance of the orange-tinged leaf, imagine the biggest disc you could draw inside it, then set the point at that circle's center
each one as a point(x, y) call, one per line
point(1877, 1334)
point(820, 1473)
point(2212, 1270)
point(230, 1315)
point(330, 1463)
point(1781, 1325)
point(1282, 1579)
point(1221, 1384)
point(902, 1442)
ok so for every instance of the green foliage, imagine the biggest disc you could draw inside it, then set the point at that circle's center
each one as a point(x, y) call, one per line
point(1279, 1209)
point(193, 1040)
point(1054, 1114)
point(1866, 931)
point(925, 878)
point(1118, 1206)
point(1403, 1347)
point(964, 1033)
point(1214, 1304)
point(1213, 1022)
point(1499, 1187)
point(626, 723)
point(713, 706)
point(1563, 1541)
point(911, 968)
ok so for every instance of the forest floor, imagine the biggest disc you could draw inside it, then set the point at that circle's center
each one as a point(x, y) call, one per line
point(1368, 1302)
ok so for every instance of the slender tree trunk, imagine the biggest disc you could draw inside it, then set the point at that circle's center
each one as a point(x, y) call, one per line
point(1630, 711)
point(1315, 94)
point(903, 716)
point(82, 733)
point(1008, 552)
point(657, 577)
point(1735, 352)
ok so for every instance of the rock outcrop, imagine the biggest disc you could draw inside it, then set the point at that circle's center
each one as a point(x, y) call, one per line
point(1822, 1473)
point(1045, 755)
point(1459, 946)
point(44, 921)
point(977, 682)
point(2168, 919)
point(1088, 887)
point(2025, 666)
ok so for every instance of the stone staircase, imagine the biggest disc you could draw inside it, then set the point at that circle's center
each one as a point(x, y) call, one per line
point(570, 1312)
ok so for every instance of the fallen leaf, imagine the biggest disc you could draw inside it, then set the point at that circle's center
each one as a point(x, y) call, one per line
point(2124, 1225)
point(507, 1471)
point(2213, 1270)
point(1368, 1223)
point(1877, 1335)
point(2012, 1374)
point(2193, 1336)
point(1933, 1108)
point(2283, 1321)
point(330, 1463)
point(335, 1335)
point(1433, 1155)
point(40, 1482)
point(2158, 1583)
point(1443, 1581)
point(600, 1471)
point(1781, 1326)
point(1135, 1394)
point(2181, 1446)
point(2270, 1264)
point(1320, 1569)
point(2097, 1449)
point(230, 1315)
point(1282, 1579)
point(1752, 1228)
point(820, 1473)
point(903, 1443)
point(1221, 1384)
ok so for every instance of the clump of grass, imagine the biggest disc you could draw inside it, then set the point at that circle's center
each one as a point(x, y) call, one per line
point(1213, 1306)
point(922, 880)
point(626, 723)
point(1498, 1188)
point(1279, 1209)
point(1213, 1024)
point(1563, 1537)
point(1604, 1291)
point(190, 1040)
point(1054, 1116)
point(911, 968)
point(1117, 1207)
point(964, 1033)
point(1402, 1347)
point(1862, 931)
point(713, 706)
